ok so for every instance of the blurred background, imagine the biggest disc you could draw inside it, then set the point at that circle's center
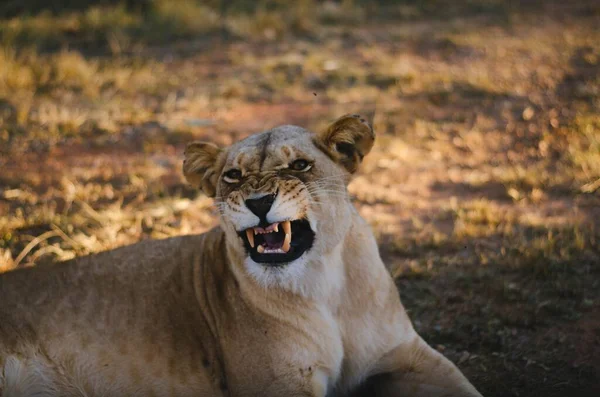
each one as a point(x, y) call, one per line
point(483, 188)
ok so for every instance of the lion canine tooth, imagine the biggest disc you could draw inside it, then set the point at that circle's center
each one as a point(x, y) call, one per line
point(287, 227)
point(250, 236)
point(260, 249)
point(286, 242)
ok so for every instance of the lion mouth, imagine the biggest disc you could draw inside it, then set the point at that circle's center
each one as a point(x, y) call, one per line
point(278, 242)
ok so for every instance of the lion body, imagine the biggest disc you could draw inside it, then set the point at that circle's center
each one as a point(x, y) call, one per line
point(168, 318)
point(193, 315)
point(116, 323)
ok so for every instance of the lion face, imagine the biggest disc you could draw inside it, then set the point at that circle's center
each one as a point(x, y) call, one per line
point(265, 194)
point(282, 193)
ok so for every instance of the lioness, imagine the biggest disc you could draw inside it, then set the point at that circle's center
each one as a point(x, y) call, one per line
point(288, 297)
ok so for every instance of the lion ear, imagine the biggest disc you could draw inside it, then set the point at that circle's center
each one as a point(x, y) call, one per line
point(347, 141)
point(202, 167)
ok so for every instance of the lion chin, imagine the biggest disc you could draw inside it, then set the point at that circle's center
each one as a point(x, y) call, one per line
point(288, 296)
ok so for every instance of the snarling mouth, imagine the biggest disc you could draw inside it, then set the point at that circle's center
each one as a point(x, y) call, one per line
point(279, 242)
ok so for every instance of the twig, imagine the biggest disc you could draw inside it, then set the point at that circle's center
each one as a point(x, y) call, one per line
point(46, 250)
point(591, 187)
point(39, 239)
point(67, 239)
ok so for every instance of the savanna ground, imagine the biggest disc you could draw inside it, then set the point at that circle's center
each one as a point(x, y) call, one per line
point(483, 187)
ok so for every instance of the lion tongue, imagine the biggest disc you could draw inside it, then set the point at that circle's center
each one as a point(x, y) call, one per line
point(273, 240)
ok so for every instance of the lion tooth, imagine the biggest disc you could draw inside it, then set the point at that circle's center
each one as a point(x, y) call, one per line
point(260, 249)
point(250, 236)
point(276, 227)
point(286, 242)
point(287, 227)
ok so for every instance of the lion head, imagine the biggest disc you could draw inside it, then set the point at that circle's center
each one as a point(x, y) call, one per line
point(282, 193)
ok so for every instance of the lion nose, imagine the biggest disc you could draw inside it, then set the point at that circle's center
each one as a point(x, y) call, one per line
point(261, 206)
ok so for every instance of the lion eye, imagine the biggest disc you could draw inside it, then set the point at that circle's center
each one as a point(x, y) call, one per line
point(232, 176)
point(300, 165)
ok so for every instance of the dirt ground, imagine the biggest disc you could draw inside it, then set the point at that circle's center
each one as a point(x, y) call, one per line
point(483, 188)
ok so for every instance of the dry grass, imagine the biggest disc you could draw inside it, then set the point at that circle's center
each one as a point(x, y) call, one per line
point(483, 187)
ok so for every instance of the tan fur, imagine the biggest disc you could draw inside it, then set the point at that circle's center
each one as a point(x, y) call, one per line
point(198, 166)
point(194, 315)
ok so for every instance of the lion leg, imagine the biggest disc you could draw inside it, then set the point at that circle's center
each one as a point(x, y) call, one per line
point(415, 369)
point(302, 382)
